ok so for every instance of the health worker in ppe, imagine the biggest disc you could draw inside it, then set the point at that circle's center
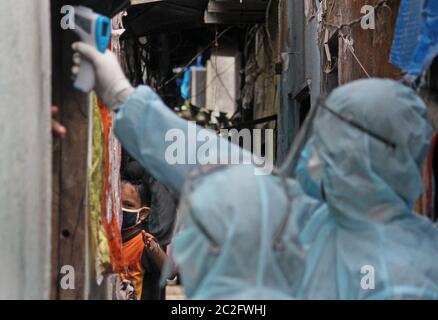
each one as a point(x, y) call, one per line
point(234, 238)
point(371, 137)
point(363, 243)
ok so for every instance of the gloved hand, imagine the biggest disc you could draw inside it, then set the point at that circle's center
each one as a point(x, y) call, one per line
point(111, 84)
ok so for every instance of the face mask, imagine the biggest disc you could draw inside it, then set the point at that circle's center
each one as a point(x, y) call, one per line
point(315, 167)
point(131, 218)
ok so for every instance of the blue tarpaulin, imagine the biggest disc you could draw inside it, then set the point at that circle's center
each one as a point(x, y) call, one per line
point(407, 32)
point(185, 84)
point(416, 40)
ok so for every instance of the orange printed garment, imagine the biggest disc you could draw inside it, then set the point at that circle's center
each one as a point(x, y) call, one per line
point(132, 252)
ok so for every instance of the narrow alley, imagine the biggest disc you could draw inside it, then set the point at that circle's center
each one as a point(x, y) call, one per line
point(219, 150)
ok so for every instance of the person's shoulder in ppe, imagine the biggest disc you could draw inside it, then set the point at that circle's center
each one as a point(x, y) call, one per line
point(248, 215)
point(218, 193)
point(229, 195)
point(246, 188)
point(411, 251)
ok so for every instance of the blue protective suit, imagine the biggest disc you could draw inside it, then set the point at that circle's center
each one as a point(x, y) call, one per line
point(322, 249)
point(244, 214)
point(143, 125)
point(365, 242)
point(242, 210)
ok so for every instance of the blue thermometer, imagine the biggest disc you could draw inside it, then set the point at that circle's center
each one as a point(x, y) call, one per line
point(93, 29)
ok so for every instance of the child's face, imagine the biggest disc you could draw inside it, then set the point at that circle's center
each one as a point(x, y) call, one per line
point(130, 197)
point(131, 200)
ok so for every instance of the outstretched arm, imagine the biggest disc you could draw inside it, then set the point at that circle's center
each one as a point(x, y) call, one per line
point(166, 145)
point(144, 123)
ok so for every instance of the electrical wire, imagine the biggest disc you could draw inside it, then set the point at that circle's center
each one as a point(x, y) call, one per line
point(268, 9)
point(211, 82)
point(350, 48)
point(200, 53)
point(340, 27)
point(220, 78)
point(380, 4)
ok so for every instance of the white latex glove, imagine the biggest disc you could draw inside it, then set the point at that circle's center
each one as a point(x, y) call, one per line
point(111, 84)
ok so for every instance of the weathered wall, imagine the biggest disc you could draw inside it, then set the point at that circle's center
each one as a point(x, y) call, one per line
point(69, 192)
point(312, 60)
point(293, 76)
point(372, 47)
point(25, 141)
point(266, 87)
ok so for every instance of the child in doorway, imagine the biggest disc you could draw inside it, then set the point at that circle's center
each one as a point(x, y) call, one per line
point(142, 254)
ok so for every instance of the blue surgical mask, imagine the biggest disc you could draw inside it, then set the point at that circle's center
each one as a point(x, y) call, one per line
point(310, 163)
point(315, 167)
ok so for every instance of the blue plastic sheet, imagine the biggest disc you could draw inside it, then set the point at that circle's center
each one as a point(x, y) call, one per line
point(427, 47)
point(185, 85)
point(407, 33)
point(416, 40)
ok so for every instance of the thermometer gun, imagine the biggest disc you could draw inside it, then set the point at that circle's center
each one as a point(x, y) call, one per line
point(95, 30)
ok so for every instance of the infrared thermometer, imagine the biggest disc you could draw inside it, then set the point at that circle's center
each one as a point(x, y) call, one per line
point(93, 29)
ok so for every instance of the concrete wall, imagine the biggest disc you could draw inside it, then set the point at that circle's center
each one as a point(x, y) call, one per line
point(25, 143)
